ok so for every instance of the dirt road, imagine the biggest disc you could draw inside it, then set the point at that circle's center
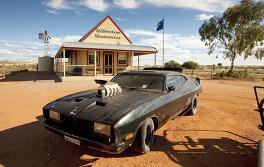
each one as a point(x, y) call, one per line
point(223, 133)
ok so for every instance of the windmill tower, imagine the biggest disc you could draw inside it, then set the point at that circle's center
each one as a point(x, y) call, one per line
point(44, 36)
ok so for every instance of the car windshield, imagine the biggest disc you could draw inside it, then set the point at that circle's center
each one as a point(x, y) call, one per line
point(140, 81)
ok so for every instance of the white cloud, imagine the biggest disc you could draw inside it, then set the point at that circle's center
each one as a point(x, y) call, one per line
point(78, 12)
point(52, 11)
point(177, 47)
point(57, 4)
point(54, 5)
point(104, 5)
point(203, 16)
point(11, 45)
point(120, 19)
point(131, 32)
point(71, 38)
point(180, 48)
point(29, 51)
point(204, 5)
point(127, 4)
point(98, 5)
point(171, 40)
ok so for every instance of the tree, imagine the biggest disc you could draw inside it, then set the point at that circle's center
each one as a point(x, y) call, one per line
point(238, 32)
point(172, 64)
point(190, 65)
point(219, 65)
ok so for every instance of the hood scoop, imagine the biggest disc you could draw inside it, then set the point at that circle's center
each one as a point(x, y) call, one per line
point(78, 100)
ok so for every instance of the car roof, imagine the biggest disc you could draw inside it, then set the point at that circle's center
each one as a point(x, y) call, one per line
point(154, 72)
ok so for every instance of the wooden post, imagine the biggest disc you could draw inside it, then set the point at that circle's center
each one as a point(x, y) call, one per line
point(56, 60)
point(155, 60)
point(212, 72)
point(95, 63)
point(4, 70)
point(132, 55)
point(63, 62)
point(138, 62)
point(59, 65)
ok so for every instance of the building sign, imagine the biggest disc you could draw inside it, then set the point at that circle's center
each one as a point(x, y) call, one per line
point(107, 34)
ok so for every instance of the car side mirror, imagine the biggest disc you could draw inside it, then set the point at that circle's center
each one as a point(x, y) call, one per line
point(171, 88)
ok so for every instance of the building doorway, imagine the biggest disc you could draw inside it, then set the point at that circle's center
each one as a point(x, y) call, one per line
point(108, 63)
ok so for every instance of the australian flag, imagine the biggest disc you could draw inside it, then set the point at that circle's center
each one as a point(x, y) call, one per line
point(160, 25)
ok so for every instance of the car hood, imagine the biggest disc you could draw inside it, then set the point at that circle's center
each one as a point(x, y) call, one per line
point(86, 105)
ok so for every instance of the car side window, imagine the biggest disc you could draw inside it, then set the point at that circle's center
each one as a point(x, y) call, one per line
point(176, 80)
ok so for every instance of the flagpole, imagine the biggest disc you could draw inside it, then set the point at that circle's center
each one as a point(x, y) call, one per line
point(163, 43)
point(163, 49)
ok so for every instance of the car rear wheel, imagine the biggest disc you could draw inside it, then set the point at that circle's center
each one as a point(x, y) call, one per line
point(145, 136)
point(194, 106)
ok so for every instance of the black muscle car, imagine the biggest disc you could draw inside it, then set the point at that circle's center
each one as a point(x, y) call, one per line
point(124, 111)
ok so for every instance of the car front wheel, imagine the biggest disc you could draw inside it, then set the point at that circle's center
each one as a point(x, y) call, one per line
point(194, 105)
point(145, 136)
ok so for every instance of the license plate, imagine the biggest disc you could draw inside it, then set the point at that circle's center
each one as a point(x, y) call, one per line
point(74, 141)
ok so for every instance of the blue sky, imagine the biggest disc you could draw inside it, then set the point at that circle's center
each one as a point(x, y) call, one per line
point(69, 20)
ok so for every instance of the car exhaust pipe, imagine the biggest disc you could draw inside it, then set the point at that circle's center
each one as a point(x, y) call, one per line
point(260, 158)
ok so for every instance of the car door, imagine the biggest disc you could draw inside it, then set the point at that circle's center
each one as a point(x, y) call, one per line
point(178, 97)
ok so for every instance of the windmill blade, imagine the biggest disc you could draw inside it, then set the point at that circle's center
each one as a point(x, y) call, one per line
point(40, 35)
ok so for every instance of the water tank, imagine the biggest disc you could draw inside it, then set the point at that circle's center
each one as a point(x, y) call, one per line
point(46, 63)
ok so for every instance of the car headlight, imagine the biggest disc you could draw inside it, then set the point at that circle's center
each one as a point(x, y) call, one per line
point(102, 129)
point(54, 115)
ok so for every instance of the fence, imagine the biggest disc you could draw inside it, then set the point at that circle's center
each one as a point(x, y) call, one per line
point(7, 69)
point(209, 73)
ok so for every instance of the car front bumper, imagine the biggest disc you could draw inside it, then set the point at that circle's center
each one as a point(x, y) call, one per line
point(113, 148)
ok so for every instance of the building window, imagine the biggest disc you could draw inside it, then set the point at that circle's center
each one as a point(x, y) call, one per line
point(90, 58)
point(122, 59)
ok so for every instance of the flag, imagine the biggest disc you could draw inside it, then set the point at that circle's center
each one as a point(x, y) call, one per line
point(160, 25)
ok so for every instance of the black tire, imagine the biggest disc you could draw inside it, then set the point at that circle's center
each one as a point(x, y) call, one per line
point(144, 138)
point(194, 106)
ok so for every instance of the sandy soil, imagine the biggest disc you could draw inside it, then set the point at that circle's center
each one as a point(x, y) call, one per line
point(223, 133)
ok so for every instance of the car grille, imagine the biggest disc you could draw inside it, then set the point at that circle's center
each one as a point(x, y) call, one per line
point(79, 127)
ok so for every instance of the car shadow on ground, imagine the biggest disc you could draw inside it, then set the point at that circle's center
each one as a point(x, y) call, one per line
point(31, 76)
point(32, 145)
point(219, 151)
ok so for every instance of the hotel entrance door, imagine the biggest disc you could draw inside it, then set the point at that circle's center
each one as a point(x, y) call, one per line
point(108, 63)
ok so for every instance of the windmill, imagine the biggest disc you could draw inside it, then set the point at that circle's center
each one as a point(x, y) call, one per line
point(44, 36)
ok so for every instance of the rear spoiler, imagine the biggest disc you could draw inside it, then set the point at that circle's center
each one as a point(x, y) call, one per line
point(164, 69)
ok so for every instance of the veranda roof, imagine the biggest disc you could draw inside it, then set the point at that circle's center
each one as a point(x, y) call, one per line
point(137, 49)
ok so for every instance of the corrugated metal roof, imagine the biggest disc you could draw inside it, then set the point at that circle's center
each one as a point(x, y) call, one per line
point(84, 45)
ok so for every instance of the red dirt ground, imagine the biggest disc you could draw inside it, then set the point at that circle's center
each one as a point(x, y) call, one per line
point(223, 133)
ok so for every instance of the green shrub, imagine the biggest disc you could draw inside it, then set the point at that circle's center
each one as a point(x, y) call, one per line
point(219, 65)
point(172, 64)
point(190, 65)
point(233, 74)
